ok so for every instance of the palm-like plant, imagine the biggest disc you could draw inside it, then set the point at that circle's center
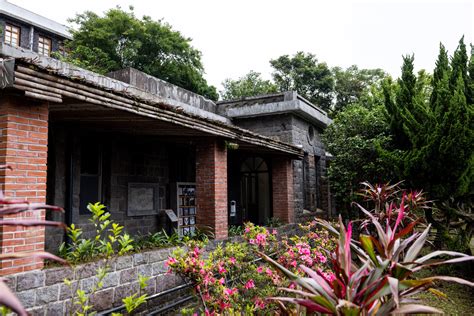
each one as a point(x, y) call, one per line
point(379, 279)
point(14, 207)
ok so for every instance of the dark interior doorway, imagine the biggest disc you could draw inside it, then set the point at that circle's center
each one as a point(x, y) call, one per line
point(255, 190)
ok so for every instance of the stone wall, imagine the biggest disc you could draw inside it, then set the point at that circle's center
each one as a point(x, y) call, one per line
point(44, 293)
point(25, 34)
point(24, 30)
point(310, 193)
point(125, 160)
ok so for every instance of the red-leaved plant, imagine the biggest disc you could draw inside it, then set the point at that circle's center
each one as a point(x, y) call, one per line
point(379, 279)
point(8, 208)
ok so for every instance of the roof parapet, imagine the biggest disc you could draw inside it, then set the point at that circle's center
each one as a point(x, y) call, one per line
point(272, 104)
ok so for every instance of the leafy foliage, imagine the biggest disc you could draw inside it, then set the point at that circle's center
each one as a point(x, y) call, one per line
point(353, 139)
point(457, 219)
point(109, 241)
point(228, 279)
point(379, 279)
point(119, 39)
point(232, 279)
point(247, 86)
point(303, 73)
point(109, 238)
point(353, 84)
point(433, 125)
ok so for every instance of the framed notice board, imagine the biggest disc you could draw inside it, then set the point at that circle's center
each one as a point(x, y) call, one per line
point(186, 207)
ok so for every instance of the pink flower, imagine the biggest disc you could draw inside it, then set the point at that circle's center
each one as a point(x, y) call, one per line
point(259, 303)
point(322, 258)
point(261, 239)
point(250, 284)
point(269, 272)
point(228, 291)
point(247, 229)
point(232, 260)
point(222, 270)
point(293, 263)
point(252, 241)
point(170, 261)
point(274, 232)
point(329, 276)
point(222, 281)
point(260, 269)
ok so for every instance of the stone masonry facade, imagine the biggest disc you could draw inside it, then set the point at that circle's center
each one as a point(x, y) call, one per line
point(309, 186)
point(43, 292)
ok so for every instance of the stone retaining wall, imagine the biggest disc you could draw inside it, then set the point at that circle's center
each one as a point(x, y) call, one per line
point(44, 293)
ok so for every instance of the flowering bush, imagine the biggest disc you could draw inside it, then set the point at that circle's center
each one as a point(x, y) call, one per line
point(232, 278)
point(229, 279)
point(260, 236)
point(311, 250)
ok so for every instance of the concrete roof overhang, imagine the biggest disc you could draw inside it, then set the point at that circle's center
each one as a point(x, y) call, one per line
point(278, 103)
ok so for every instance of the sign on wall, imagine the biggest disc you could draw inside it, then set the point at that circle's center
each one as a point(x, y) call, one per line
point(143, 199)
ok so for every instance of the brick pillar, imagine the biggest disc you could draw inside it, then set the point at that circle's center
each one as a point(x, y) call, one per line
point(23, 146)
point(282, 182)
point(211, 186)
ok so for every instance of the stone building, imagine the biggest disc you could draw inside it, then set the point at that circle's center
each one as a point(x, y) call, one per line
point(159, 156)
point(24, 29)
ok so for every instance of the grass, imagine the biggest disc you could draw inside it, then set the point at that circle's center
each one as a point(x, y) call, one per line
point(460, 297)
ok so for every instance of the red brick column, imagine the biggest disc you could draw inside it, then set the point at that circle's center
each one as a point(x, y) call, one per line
point(282, 182)
point(211, 186)
point(23, 146)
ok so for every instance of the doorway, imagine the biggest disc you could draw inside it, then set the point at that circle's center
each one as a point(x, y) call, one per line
point(255, 190)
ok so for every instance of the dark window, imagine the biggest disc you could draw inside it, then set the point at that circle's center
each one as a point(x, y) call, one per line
point(91, 175)
point(12, 35)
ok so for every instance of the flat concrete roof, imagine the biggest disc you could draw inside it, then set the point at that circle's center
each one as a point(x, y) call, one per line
point(21, 14)
point(272, 104)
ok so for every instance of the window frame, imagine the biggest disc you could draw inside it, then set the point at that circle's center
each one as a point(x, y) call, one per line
point(9, 29)
point(42, 40)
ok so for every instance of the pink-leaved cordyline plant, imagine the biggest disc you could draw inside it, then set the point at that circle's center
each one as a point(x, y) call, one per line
point(378, 280)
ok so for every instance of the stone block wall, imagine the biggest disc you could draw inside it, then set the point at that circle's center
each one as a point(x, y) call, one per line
point(43, 292)
point(309, 189)
point(125, 160)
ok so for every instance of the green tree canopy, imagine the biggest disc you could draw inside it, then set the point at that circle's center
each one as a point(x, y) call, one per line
point(352, 83)
point(306, 75)
point(249, 85)
point(353, 138)
point(119, 39)
point(433, 124)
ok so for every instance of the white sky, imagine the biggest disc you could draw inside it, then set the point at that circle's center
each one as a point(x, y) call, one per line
point(236, 36)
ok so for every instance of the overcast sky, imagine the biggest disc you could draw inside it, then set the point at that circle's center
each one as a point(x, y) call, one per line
point(237, 36)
